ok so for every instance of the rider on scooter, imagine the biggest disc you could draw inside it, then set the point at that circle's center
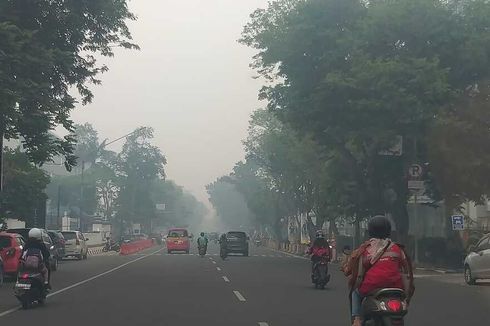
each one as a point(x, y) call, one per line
point(319, 249)
point(202, 242)
point(35, 255)
point(378, 263)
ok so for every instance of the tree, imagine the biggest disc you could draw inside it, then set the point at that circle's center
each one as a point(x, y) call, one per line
point(24, 187)
point(48, 48)
point(139, 165)
point(356, 74)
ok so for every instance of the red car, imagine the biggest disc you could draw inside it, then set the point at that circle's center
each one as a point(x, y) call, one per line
point(178, 240)
point(11, 251)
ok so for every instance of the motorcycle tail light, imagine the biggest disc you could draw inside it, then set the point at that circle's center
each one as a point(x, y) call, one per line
point(394, 305)
point(24, 276)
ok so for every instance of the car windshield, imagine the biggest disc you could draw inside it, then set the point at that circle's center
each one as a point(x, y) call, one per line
point(69, 235)
point(5, 242)
point(177, 234)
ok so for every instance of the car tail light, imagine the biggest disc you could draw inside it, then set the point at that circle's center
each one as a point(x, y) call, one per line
point(394, 305)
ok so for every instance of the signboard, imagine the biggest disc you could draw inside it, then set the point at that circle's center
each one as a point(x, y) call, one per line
point(415, 171)
point(458, 222)
point(416, 185)
point(160, 207)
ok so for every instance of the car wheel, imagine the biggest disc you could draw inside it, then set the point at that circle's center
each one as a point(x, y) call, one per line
point(245, 254)
point(187, 251)
point(79, 257)
point(468, 277)
point(85, 256)
point(169, 251)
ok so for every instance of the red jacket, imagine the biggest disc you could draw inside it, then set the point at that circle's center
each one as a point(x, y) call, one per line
point(385, 273)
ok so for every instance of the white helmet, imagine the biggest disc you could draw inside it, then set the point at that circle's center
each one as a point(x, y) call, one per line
point(35, 233)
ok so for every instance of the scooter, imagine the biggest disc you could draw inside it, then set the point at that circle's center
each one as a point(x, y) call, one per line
point(385, 307)
point(30, 288)
point(223, 253)
point(202, 251)
point(111, 246)
point(320, 273)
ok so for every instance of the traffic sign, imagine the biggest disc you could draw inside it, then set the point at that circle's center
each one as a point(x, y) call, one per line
point(458, 222)
point(415, 171)
point(416, 184)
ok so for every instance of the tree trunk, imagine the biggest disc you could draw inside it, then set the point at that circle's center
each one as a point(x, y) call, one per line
point(332, 227)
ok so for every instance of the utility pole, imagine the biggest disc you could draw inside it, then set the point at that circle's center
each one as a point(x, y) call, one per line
point(81, 198)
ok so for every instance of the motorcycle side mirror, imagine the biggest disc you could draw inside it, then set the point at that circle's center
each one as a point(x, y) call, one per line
point(51, 248)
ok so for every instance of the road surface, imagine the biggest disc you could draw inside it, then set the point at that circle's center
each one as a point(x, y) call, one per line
point(267, 288)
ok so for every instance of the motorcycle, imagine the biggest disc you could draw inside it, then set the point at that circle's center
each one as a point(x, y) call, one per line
point(202, 251)
point(30, 288)
point(320, 273)
point(223, 253)
point(111, 246)
point(385, 307)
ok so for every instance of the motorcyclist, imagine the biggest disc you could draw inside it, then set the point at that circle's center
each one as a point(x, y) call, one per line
point(202, 242)
point(377, 263)
point(223, 246)
point(318, 250)
point(36, 247)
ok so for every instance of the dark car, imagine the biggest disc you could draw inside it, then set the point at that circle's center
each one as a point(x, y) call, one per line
point(59, 243)
point(24, 232)
point(237, 242)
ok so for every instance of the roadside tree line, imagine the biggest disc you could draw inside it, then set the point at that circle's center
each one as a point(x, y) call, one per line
point(344, 81)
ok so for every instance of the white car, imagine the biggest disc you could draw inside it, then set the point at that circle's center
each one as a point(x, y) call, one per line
point(477, 263)
point(75, 244)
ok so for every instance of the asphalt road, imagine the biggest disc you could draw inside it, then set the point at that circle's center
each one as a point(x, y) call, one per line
point(267, 288)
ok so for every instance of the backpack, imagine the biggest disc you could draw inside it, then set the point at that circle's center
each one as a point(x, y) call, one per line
point(32, 259)
point(354, 269)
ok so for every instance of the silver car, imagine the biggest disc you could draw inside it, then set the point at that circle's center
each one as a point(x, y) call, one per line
point(477, 263)
point(75, 244)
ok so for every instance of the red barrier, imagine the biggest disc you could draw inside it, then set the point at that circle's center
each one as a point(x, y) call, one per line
point(135, 246)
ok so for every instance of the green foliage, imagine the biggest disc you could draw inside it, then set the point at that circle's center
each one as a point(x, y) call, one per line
point(47, 49)
point(24, 186)
point(355, 74)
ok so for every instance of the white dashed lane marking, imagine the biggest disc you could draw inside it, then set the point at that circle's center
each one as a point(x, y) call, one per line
point(239, 296)
point(226, 279)
point(218, 269)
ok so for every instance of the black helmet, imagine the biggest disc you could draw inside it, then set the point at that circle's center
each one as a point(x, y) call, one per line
point(379, 227)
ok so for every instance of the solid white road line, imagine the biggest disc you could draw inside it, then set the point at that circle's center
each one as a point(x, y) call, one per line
point(263, 323)
point(226, 279)
point(7, 312)
point(218, 269)
point(239, 296)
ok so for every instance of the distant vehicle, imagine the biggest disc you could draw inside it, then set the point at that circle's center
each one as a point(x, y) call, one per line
point(213, 236)
point(10, 253)
point(24, 232)
point(477, 263)
point(178, 240)
point(75, 244)
point(237, 242)
point(59, 243)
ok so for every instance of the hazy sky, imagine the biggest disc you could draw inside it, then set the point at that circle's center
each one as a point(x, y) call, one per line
point(191, 82)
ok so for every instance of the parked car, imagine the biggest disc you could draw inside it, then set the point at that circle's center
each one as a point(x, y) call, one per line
point(1, 271)
point(477, 262)
point(10, 252)
point(75, 244)
point(24, 232)
point(59, 243)
point(178, 240)
point(237, 242)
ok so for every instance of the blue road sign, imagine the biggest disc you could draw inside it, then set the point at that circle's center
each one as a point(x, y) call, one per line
point(458, 222)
